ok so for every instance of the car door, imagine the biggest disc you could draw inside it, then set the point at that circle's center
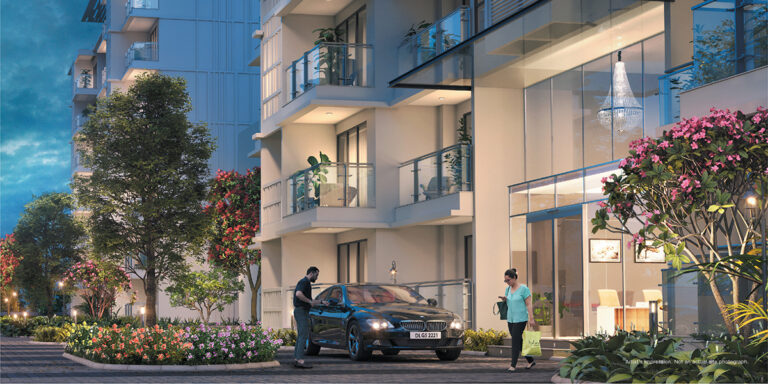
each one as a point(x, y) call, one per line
point(334, 315)
point(317, 321)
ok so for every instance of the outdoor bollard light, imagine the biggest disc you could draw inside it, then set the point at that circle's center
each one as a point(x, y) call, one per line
point(25, 316)
point(15, 316)
point(61, 284)
point(143, 312)
point(393, 271)
point(8, 302)
point(74, 314)
point(653, 317)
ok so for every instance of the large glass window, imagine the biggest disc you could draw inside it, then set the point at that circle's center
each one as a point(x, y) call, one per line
point(351, 261)
point(567, 121)
point(597, 137)
point(538, 130)
point(353, 145)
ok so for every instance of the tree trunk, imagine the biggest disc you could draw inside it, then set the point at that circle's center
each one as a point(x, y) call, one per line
point(254, 292)
point(150, 290)
point(49, 299)
point(720, 303)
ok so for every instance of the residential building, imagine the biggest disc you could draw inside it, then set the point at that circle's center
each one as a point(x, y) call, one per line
point(205, 42)
point(405, 194)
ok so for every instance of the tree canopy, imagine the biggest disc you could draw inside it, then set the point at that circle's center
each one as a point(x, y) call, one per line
point(148, 177)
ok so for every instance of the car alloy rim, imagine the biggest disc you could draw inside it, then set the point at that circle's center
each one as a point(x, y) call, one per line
point(353, 342)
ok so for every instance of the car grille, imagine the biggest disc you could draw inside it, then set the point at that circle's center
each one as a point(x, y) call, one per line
point(436, 325)
point(413, 325)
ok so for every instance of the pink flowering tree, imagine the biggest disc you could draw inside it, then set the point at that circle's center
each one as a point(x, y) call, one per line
point(686, 192)
point(99, 282)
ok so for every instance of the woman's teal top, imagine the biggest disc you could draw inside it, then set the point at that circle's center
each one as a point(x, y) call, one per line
point(517, 312)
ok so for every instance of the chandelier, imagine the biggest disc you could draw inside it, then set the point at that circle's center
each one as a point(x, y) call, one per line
point(620, 107)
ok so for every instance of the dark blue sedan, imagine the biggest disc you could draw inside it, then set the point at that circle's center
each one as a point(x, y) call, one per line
point(366, 317)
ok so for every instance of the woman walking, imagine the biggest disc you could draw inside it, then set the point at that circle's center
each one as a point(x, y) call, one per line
point(519, 314)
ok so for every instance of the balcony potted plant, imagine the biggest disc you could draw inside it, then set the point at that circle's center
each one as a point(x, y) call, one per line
point(330, 57)
point(85, 78)
point(455, 158)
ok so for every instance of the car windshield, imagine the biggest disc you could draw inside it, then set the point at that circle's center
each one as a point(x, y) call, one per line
point(374, 294)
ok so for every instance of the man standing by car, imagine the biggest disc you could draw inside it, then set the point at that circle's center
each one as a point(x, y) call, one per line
point(302, 302)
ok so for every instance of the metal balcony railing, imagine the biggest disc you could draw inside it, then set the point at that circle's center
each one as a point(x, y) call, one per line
point(144, 51)
point(431, 41)
point(331, 185)
point(436, 174)
point(271, 202)
point(341, 64)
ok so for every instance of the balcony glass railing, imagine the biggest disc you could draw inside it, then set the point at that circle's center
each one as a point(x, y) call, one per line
point(144, 51)
point(331, 185)
point(139, 4)
point(670, 87)
point(80, 121)
point(342, 64)
point(729, 37)
point(84, 80)
point(437, 174)
point(429, 42)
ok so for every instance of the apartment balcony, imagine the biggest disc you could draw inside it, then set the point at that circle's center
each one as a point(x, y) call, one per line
point(436, 188)
point(330, 64)
point(140, 15)
point(140, 57)
point(80, 121)
point(432, 41)
point(83, 86)
point(330, 197)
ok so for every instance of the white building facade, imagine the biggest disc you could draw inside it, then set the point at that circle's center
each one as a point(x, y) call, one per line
point(476, 144)
point(208, 43)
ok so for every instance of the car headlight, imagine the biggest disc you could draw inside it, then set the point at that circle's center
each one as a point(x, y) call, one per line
point(457, 323)
point(378, 324)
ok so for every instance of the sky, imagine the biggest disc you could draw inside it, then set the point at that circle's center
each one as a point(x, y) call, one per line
point(38, 42)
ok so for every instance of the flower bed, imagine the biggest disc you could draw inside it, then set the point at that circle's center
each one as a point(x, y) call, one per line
point(172, 345)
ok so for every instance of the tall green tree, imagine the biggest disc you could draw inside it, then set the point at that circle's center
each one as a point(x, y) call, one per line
point(205, 292)
point(149, 170)
point(50, 239)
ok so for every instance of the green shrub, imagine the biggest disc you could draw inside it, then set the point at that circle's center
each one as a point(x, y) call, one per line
point(480, 340)
point(287, 335)
point(52, 334)
point(639, 357)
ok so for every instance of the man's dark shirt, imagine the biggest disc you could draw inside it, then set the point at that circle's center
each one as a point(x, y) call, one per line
point(305, 287)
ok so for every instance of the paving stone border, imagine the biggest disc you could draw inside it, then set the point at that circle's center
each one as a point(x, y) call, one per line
point(171, 368)
point(45, 342)
point(561, 380)
point(463, 351)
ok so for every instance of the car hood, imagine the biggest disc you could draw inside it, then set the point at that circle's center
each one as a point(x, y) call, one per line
point(407, 311)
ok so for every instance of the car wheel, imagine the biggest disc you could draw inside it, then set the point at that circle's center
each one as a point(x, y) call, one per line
point(390, 352)
point(311, 349)
point(448, 354)
point(356, 345)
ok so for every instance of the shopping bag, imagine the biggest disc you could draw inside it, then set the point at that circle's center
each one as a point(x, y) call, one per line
point(500, 308)
point(531, 343)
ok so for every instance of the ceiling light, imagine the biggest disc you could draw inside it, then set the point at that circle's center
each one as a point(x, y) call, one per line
point(441, 98)
point(329, 113)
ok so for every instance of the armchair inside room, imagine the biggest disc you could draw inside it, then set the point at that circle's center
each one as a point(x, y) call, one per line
point(432, 191)
point(332, 195)
point(606, 311)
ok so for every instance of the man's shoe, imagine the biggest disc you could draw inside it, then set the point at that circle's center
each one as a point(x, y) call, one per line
point(302, 365)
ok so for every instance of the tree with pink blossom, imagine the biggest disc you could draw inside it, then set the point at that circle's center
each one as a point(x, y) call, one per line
point(99, 283)
point(686, 192)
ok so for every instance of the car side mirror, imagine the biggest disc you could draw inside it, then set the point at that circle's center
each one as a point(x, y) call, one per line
point(432, 302)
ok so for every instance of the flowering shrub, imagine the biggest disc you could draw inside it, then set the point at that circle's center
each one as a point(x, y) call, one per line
point(9, 259)
point(100, 282)
point(172, 345)
point(685, 192)
point(234, 202)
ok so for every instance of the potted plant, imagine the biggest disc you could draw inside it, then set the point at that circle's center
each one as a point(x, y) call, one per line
point(542, 310)
point(85, 78)
point(330, 56)
point(317, 175)
point(455, 158)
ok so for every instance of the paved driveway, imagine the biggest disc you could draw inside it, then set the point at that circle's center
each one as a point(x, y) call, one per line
point(25, 362)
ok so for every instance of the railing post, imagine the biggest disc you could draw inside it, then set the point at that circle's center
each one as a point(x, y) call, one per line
point(416, 181)
point(345, 184)
point(305, 81)
point(294, 197)
point(439, 163)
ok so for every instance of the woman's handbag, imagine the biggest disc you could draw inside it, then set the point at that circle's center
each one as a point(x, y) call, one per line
point(500, 308)
point(531, 343)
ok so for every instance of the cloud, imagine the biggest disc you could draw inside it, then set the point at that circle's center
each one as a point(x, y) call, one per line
point(35, 118)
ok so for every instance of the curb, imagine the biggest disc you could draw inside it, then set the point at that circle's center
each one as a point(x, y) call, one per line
point(46, 342)
point(560, 380)
point(174, 368)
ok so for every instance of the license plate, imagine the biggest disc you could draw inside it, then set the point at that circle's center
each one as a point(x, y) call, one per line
point(425, 335)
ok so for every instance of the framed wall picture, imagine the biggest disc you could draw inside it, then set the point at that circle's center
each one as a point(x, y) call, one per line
point(604, 251)
point(651, 254)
